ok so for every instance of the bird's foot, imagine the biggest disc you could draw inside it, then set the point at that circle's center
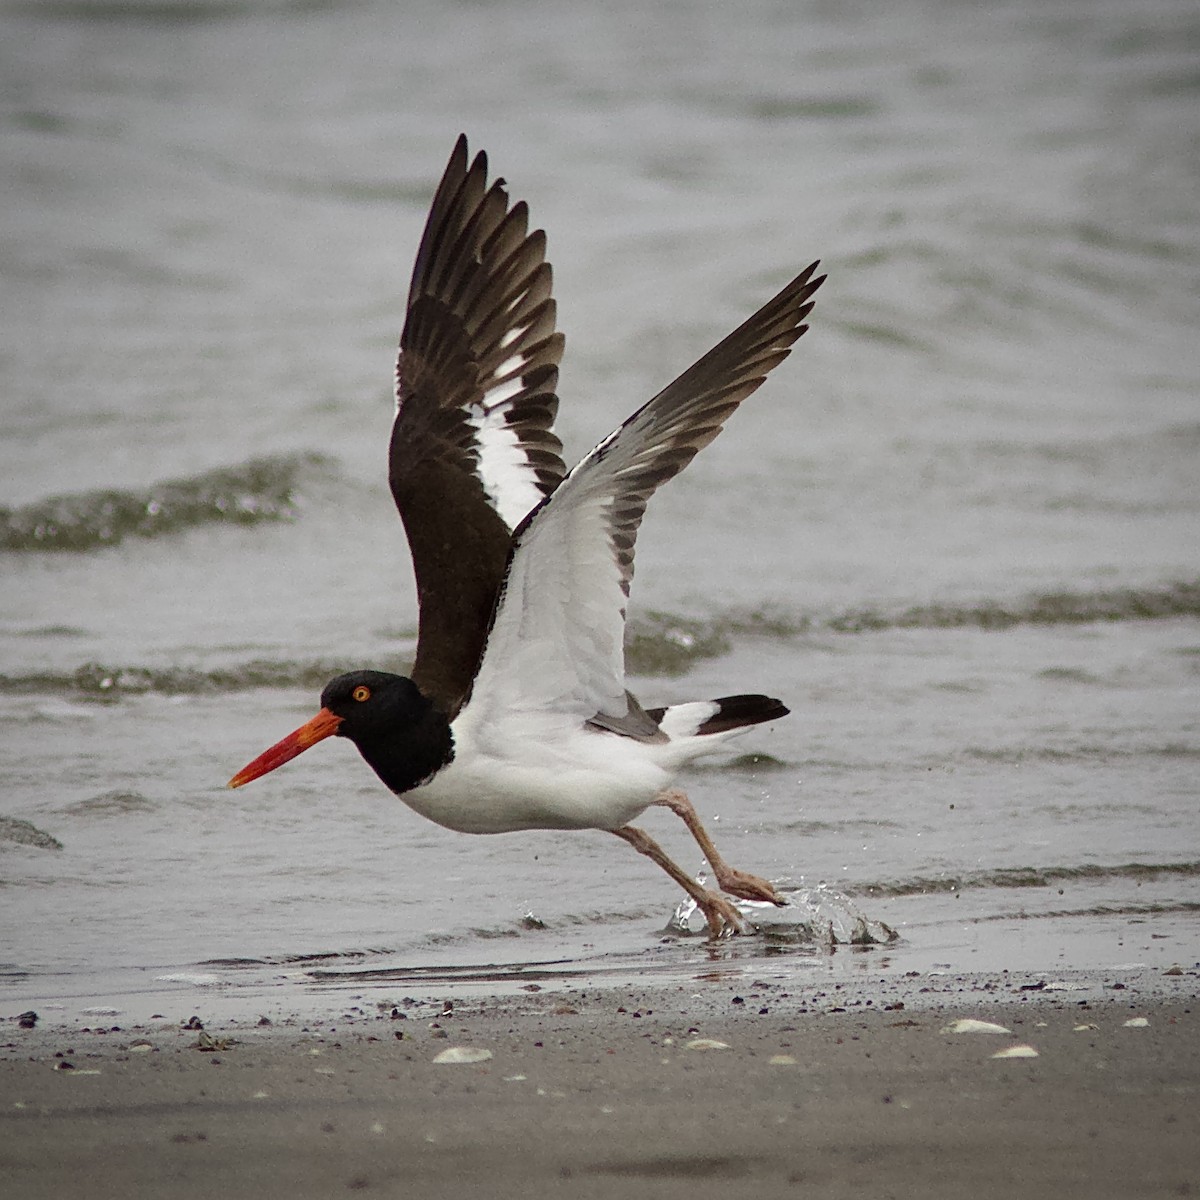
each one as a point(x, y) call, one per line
point(746, 886)
point(723, 918)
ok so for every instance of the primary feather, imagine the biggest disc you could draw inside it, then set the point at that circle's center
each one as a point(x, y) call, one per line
point(472, 447)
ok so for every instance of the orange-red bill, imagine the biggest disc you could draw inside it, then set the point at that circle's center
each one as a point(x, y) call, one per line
point(324, 724)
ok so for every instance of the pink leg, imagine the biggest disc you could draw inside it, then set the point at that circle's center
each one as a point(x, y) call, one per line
point(722, 917)
point(729, 879)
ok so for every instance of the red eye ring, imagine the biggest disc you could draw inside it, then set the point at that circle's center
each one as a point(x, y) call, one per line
point(361, 693)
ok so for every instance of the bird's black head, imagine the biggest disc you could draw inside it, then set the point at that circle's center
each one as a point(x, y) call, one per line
point(373, 704)
point(396, 729)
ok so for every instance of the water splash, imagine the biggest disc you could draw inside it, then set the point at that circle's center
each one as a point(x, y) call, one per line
point(817, 916)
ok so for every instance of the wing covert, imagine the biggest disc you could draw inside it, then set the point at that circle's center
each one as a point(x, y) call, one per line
point(557, 639)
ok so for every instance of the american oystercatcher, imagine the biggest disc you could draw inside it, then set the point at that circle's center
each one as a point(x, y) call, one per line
point(517, 715)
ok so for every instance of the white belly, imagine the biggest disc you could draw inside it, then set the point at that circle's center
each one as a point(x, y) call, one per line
point(587, 780)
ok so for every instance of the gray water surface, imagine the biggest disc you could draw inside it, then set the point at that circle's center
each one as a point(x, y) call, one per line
point(956, 532)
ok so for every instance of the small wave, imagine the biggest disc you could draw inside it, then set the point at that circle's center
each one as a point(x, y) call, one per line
point(779, 107)
point(263, 489)
point(691, 639)
point(100, 682)
point(1028, 877)
point(1176, 599)
point(1085, 752)
point(1149, 909)
point(754, 764)
point(25, 833)
point(159, 12)
point(112, 804)
point(1179, 598)
point(551, 971)
point(660, 643)
point(244, 962)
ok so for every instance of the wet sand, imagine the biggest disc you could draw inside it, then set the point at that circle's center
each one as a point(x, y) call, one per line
point(856, 1090)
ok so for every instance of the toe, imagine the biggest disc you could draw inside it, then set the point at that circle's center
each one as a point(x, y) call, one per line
point(750, 887)
point(723, 918)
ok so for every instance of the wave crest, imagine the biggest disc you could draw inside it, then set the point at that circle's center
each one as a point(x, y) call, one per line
point(1028, 877)
point(263, 489)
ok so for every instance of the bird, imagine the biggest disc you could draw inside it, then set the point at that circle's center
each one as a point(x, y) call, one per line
point(516, 715)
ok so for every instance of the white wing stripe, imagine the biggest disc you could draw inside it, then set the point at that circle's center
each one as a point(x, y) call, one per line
point(508, 479)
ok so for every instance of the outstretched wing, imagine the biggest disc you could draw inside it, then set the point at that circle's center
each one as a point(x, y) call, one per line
point(472, 450)
point(557, 641)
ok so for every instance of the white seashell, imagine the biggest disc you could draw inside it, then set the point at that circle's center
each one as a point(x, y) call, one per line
point(1016, 1052)
point(970, 1025)
point(463, 1054)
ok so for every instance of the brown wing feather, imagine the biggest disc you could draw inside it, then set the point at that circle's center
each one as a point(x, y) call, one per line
point(476, 402)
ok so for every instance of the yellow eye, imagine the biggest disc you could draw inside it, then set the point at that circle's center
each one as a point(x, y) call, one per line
point(361, 693)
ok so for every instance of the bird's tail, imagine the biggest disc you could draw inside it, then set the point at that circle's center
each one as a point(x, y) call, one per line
point(725, 715)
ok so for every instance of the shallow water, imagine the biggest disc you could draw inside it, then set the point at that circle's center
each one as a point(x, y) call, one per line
point(956, 532)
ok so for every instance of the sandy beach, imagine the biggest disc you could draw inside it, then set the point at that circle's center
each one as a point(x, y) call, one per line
point(1084, 1085)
